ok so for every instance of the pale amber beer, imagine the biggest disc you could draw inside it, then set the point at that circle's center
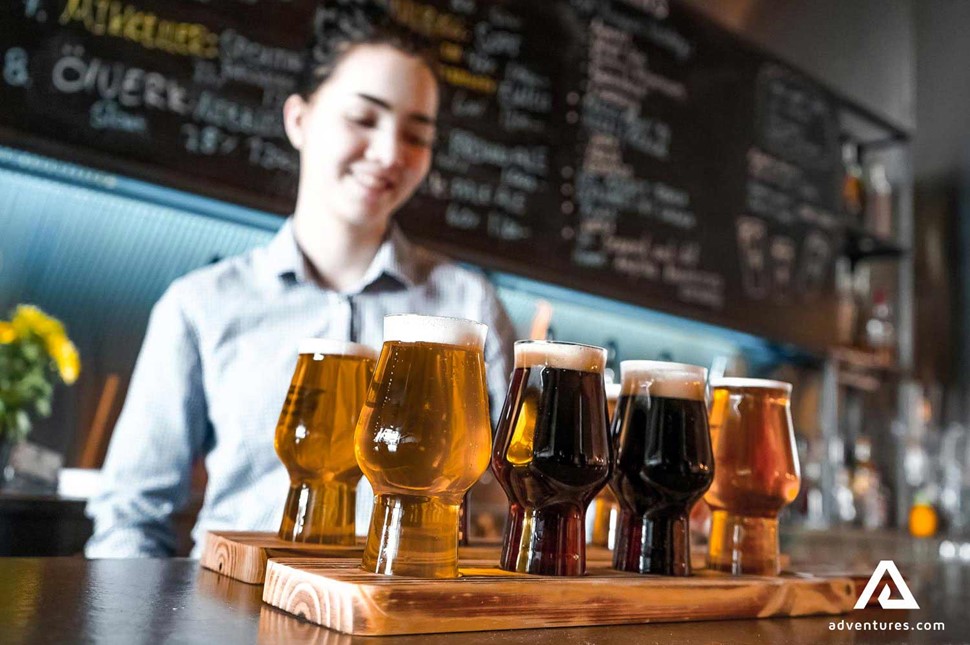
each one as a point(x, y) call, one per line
point(604, 509)
point(315, 440)
point(757, 473)
point(422, 440)
point(552, 455)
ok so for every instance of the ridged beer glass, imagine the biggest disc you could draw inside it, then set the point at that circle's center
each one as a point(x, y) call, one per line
point(422, 440)
point(664, 463)
point(552, 455)
point(315, 440)
point(757, 473)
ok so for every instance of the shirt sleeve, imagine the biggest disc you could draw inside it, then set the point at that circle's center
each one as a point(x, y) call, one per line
point(498, 350)
point(162, 427)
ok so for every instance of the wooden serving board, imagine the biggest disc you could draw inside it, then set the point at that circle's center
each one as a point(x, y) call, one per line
point(242, 555)
point(339, 595)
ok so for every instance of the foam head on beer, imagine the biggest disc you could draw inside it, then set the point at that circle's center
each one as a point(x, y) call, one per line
point(558, 355)
point(664, 379)
point(759, 383)
point(757, 473)
point(553, 454)
point(423, 439)
point(663, 465)
point(415, 328)
point(331, 347)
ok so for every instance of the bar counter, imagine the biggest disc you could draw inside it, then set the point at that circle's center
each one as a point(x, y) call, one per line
point(66, 600)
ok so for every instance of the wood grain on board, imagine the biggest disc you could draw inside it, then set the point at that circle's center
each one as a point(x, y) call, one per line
point(242, 555)
point(338, 595)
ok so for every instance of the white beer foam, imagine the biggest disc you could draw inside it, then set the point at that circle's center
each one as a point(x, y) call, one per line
point(336, 348)
point(735, 381)
point(414, 328)
point(564, 356)
point(613, 391)
point(664, 379)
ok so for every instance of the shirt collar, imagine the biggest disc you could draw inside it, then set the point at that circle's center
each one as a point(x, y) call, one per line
point(396, 258)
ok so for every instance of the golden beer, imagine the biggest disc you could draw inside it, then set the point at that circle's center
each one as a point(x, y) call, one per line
point(604, 509)
point(757, 473)
point(422, 440)
point(315, 440)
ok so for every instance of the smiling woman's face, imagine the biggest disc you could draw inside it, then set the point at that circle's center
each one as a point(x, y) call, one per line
point(365, 135)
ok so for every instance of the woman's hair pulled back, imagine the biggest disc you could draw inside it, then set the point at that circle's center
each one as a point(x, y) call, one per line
point(341, 25)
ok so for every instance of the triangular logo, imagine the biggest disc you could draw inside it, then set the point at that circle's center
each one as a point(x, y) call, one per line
point(906, 602)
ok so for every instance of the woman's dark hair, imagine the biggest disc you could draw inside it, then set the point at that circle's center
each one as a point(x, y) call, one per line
point(341, 25)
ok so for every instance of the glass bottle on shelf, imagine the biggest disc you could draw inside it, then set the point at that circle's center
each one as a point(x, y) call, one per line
point(878, 202)
point(880, 329)
point(867, 489)
point(845, 510)
point(955, 475)
point(846, 304)
point(853, 188)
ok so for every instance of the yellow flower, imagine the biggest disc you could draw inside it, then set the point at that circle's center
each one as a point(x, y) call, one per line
point(65, 356)
point(28, 319)
point(7, 333)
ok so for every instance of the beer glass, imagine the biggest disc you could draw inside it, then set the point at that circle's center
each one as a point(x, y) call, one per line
point(422, 440)
point(757, 473)
point(315, 440)
point(552, 455)
point(664, 464)
point(604, 508)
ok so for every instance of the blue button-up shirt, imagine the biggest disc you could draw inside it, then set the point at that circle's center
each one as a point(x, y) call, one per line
point(214, 369)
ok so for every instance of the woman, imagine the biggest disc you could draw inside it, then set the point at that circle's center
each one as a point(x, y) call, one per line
point(221, 343)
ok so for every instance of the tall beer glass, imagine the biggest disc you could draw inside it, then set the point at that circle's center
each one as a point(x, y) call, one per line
point(604, 508)
point(422, 440)
point(664, 464)
point(315, 440)
point(552, 455)
point(757, 473)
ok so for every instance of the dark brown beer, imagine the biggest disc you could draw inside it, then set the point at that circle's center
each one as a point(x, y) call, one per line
point(664, 463)
point(552, 455)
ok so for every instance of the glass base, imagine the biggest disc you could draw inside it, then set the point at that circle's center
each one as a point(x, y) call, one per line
point(657, 544)
point(320, 513)
point(413, 536)
point(547, 541)
point(743, 545)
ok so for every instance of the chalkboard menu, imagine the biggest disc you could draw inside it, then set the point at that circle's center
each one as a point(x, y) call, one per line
point(185, 93)
point(628, 148)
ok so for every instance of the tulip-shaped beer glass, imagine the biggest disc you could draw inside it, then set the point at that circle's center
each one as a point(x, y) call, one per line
point(552, 455)
point(604, 508)
point(757, 473)
point(315, 440)
point(663, 464)
point(422, 440)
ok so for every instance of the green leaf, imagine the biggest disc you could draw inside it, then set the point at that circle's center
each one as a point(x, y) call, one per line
point(43, 406)
point(21, 426)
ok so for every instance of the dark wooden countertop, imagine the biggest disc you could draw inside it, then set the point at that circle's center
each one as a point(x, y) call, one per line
point(68, 600)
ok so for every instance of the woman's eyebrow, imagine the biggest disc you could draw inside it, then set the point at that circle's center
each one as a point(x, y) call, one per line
point(381, 103)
